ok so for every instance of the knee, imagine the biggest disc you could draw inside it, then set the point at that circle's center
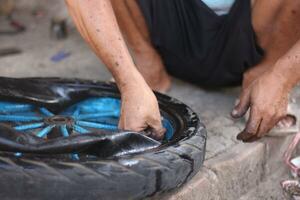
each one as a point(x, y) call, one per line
point(296, 3)
point(293, 4)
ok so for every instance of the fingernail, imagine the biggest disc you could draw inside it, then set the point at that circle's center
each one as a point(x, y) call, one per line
point(237, 101)
point(279, 124)
point(239, 137)
point(234, 112)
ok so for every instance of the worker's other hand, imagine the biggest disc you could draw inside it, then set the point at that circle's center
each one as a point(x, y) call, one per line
point(140, 111)
point(266, 98)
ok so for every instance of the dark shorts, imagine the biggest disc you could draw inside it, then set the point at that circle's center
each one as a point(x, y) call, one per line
point(199, 46)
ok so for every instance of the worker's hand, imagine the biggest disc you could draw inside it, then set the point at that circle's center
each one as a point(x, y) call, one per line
point(267, 99)
point(140, 111)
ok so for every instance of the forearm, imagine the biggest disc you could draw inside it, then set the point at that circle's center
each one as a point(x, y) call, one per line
point(288, 66)
point(96, 22)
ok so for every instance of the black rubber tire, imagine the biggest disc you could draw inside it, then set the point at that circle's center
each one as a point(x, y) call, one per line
point(130, 177)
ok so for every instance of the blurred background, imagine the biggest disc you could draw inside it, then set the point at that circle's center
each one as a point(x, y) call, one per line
point(38, 38)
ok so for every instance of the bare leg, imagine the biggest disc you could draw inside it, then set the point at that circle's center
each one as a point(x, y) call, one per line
point(277, 26)
point(138, 18)
point(135, 32)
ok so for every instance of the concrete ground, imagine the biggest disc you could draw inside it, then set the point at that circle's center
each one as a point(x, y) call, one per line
point(232, 170)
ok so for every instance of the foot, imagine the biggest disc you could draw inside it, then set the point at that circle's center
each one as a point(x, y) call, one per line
point(150, 65)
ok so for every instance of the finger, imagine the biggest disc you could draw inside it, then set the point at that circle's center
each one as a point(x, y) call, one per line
point(252, 126)
point(157, 128)
point(288, 121)
point(121, 123)
point(280, 124)
point(241, 108)
point(252, 139)
point(266, 125)
point(129, 125)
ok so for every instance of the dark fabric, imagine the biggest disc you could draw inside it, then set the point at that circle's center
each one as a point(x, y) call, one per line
point(199, 46)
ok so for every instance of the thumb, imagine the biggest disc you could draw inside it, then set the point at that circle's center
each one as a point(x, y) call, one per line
point(242, 105)
point(157, 129)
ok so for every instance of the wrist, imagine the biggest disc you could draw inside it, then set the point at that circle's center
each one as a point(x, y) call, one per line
point(132, 83)
point(287, 72)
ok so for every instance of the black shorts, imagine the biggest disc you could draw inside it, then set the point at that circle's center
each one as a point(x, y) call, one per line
point(199, 46)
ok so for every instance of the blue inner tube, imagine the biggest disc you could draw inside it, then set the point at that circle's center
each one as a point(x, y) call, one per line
point(83, 117)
